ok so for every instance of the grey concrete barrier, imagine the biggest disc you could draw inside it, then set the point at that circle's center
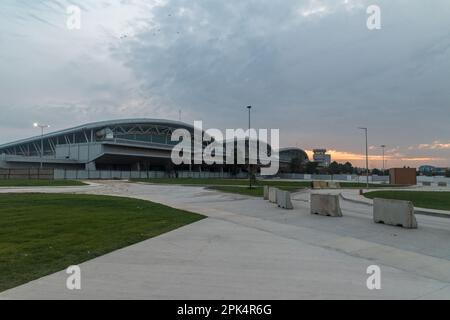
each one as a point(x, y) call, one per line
point(334, 185)
point(284, 199)
point(273, 195)
point(426, 184)
point(394, 212)
point(442, 184)
point(266, 192)
point(320, 184)
point(326, 205)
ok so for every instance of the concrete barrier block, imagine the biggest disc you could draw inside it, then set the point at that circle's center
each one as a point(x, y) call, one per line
point(284, 199)
point(320, 184)
point(315, 185)
point(442, 184)
point(266, 192)
point(326, 205)
point(334, 185)
point(426, 184)
point(394, 212)
point(273, 195)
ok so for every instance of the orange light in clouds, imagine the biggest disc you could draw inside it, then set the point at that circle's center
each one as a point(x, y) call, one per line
point(392, 160)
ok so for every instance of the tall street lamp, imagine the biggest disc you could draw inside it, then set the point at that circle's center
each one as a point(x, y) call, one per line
point(42, 127)
point(383, 147)
point(249, 137)
point(367, 156)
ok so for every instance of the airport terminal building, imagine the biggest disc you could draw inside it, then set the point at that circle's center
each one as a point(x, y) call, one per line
point(117, 145)
point(133, 144)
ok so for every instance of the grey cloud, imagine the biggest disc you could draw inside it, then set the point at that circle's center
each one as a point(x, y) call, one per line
point(316, 77)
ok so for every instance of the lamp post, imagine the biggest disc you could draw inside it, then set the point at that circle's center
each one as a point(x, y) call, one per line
point(249, 136)
point(367, 155)
point(42, 127)
point(383, 147)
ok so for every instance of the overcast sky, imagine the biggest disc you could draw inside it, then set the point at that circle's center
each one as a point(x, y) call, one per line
point(310, 68)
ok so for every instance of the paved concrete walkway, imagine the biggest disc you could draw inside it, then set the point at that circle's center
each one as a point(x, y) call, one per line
point(354, 196)
point(250, 249)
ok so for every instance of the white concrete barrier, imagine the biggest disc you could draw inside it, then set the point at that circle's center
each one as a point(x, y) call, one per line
point(266, 192)
point(334, 185)
point(273, 195)
point(394, 212)
point(284, 199)
point(326, 205)
point(320, 184)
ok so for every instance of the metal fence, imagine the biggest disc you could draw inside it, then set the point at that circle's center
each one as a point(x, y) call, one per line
point(26, 174)
point(61, 174)
point(111, 174)
point(335, 177)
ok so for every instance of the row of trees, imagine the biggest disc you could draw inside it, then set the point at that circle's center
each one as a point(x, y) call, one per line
point(298, 166)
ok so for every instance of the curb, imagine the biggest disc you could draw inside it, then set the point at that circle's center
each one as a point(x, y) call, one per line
point(419, 211)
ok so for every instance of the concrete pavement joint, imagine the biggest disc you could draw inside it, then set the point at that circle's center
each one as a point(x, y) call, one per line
point(253, 237)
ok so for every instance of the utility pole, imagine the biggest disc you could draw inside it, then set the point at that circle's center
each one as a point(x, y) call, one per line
point(249, 136)
point(367, 155)
point(383, 147)
point(42, 127)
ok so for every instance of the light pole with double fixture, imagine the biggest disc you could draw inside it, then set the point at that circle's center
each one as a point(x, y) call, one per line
point(42, 127)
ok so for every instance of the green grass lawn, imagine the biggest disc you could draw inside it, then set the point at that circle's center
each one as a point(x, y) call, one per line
point(245, 190)
point(43, 233)
point(40, 183)
point(421, 199)
point(244, 182)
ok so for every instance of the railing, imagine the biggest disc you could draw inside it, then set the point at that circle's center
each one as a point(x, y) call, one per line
point(122, 175)
point(335, 177)
point(27, 174)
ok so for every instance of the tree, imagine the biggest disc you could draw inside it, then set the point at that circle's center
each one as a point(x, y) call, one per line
point(333, 168)
point(311, 167)
point(339, 168)
point(297, 165)
point(348, 168)
point(376, 172)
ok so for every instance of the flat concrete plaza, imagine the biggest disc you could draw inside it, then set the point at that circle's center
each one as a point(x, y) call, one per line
point(251, 249)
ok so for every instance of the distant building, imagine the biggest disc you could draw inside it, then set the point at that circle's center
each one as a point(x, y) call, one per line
point(403, 176)
point(322, 158)
point(116, 145)
point(288, 155)
point(432, 171)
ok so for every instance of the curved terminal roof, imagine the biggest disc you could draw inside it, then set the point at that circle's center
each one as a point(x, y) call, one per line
point(289, 153)
point(102, 125)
